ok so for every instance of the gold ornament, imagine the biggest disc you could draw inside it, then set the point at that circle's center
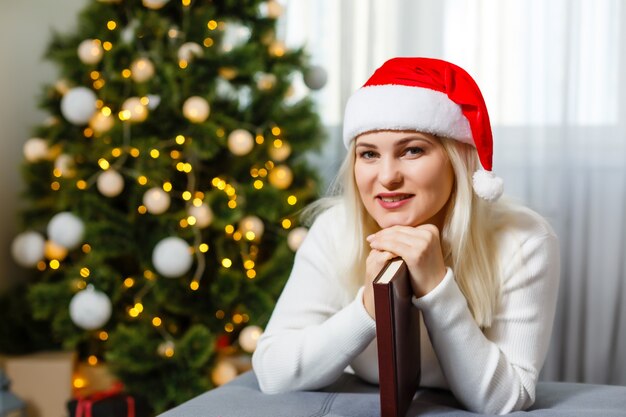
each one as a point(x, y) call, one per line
point(134, 110)
point(252, 228)
point(281, 177)
point(279, 150)
point(196, 109)
point(240, 142)
point(141, 70)
point(90, 51)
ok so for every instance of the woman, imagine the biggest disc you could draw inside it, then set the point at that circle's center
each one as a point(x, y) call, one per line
point(484, 271)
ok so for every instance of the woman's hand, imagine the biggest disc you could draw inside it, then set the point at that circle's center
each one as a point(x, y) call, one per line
point(374, 263)
point(420, 247)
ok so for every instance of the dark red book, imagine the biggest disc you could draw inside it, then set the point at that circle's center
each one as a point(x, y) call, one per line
point(398, 339)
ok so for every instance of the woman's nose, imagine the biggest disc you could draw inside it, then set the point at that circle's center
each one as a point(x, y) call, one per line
point(389, 174)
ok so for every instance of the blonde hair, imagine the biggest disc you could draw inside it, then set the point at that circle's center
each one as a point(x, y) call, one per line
point(467, 236)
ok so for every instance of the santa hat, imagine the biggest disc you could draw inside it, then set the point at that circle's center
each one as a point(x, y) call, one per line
point(426, 95)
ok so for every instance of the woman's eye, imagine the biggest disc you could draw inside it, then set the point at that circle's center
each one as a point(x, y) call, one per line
point(367, 154)
point(414, 151)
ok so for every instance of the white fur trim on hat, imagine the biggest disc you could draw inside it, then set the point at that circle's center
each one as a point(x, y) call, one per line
point(399, 107)
point(487, 185)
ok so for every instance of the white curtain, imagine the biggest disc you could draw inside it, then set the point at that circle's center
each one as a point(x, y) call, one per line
point(553, 76)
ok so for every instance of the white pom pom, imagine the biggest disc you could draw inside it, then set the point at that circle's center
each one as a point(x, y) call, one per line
point(487, 185)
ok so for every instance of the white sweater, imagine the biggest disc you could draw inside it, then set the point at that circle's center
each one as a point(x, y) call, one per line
point(319, 329)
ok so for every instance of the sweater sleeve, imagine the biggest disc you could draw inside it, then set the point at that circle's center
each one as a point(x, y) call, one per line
point(496, 371)
point(312, 335)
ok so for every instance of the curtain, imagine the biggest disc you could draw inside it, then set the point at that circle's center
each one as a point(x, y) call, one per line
point(552, 76)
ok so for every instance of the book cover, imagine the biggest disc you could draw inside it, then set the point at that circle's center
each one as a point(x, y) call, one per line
point(398, 339)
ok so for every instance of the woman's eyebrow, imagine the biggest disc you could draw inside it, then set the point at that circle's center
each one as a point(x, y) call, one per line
point(366, 145)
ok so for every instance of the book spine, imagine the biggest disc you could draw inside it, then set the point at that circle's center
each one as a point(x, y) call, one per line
point(383, 304)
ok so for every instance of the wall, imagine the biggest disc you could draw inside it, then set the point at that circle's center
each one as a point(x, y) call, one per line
point(25, 30)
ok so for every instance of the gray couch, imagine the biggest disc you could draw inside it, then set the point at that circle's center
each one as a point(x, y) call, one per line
point(350, 397)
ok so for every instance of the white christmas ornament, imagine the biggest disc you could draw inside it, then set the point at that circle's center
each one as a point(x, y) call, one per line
point(315, 77)
point(265, 81)
point(271, 9)
point(137, 112)
point(235, 34)
point(90, 309)
point(64, 165)
point(153, 101)
point(154, 4)
point(225, 89)
point(223, 372)
point(101, 123)
point(171, 257)
point(189, 50)
point(295, 237)
point(249, 337)
point(78, 105)
point(110, 183)
point(90, 51)
point(203, 215)
point(196, 109)
point(141, 69)
point(28, 248)
point(252, 224)
point(36, 149)
point(66, 229)
point(240, 142)
point(156, 200)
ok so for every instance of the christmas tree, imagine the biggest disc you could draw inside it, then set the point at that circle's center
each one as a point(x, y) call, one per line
point(162, 193)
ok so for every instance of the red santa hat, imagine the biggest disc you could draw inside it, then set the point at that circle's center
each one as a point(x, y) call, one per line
point(426, 95)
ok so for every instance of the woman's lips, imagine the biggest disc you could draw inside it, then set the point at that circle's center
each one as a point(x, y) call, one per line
point(393, 201)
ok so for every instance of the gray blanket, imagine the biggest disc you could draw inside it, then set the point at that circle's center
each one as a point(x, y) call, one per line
point(351, 397)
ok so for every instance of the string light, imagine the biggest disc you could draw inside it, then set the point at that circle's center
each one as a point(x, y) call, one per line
point(147, 274)
point(92, 360)
point(186, 195)
point(154, 153)
point(249, 264)
point(156, 321)
point(286, 223)
point(208, 42)
point(167, 186)
point(138, 307)
point(237, 318)
point(126, 73)
point(54, 264)
point(142, 209)
point(219, 314)
point(229, 327)
point(134, 152)
point(251, 273)
point(111, 25)
point(84, 272)
point(186, 2)
point(292, 200)
point(88, 132)
point(212, 25)
point(259, 139)
point(41, 266)
point(94, 75)
point(142, 180)
point(86, 248)
point(227, 263)
point(180, 139)
point(55, 186)
point(182, 64)
point(204, 248)
point(276, 131)
point(81, 184)
point(107, 46)
point(194, 285)
point(81, 285)
point(103, 335)
point(237, 236)
point(258, 184)
point(220, 132)
point(79, 382)
point(129, 282)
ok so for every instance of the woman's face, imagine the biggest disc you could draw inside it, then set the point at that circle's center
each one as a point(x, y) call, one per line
point(403, 178)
